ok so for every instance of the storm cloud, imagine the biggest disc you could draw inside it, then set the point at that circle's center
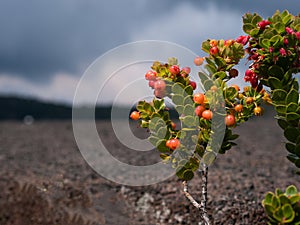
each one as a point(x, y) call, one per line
point(41, 41)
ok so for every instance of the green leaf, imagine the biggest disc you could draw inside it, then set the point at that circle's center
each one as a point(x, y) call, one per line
point(247, 27)
point(279, 27)
point(276, 71)
point(189, 110)
point(292, 116)
point(178, 89)
point(287, 77)
point(188, 175)
point(292, 157)
point(230, 93)
point(288, 213)
point(297, 150)
point(220, 74)
point(206, 46)
point(158, 104)
point(281, 109)
point(284, 199)
point(255, 19)
point(292, 107)
point(269, 209)
point(275, 40)
point(290, 147)
point(153, 140)
point(275, 83)
point(211, 69)
point(188, 90)
point(179, 109)
point(209, 158)
point(254, 32)
point(268, 198)
point(208, 84)
point(279, 95)
point(265, 43)
point(291, 190)
point(278, 214)
point(189, 120)
point(291, 134)
point(295, 198)
point(292, 96)
point(177, 99)
point(282, 123)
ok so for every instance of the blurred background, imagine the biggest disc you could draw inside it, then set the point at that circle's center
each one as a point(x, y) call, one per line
point(46, 46)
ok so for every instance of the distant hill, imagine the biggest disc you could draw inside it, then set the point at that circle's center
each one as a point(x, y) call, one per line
point(17, 108)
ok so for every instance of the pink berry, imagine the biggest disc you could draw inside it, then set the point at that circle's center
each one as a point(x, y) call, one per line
point(282, 52)
point(186, 70)
point(160, 85)
point(262, 24)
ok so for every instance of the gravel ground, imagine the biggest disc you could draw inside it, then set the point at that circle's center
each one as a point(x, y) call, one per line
point(44, 179)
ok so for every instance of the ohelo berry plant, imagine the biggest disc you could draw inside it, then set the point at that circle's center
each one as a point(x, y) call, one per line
point(283, 207)
point(274, 53)
point(204, 117)
point(207, 118)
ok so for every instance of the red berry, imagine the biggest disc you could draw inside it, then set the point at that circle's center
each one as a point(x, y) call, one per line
point(198, 61)
point(233, 73)
point(135, 115)
point(174, 70)
point(199, 110)
point(173, 143)
point(230, 120)
point(173, 125)
point(150, 75)
point(207, 114)
point(193, 84)
point(214, 50)
point(199, 98)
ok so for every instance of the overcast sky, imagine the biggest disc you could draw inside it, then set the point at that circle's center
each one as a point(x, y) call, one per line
point(46, 46)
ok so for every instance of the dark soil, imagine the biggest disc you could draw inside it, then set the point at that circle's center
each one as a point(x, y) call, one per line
point(44, 179)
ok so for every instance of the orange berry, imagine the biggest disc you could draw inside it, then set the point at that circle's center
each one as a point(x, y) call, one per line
point(199, 98)
point(207, 114)
point(135, 115)
point(230, 120)
point(173, 143)
point(239, 108)
point(258, 111)
point(199, 110)
point(198, 61)
point(213, 43)
point(249, 100)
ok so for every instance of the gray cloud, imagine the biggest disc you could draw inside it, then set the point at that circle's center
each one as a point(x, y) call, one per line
point(41, 38)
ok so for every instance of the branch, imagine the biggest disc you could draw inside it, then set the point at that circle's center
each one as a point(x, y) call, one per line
point(188, 196)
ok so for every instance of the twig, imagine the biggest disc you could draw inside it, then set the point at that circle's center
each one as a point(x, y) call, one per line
point(202, 205)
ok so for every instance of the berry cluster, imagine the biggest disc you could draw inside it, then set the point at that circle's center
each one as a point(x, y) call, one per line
point(272, 42)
